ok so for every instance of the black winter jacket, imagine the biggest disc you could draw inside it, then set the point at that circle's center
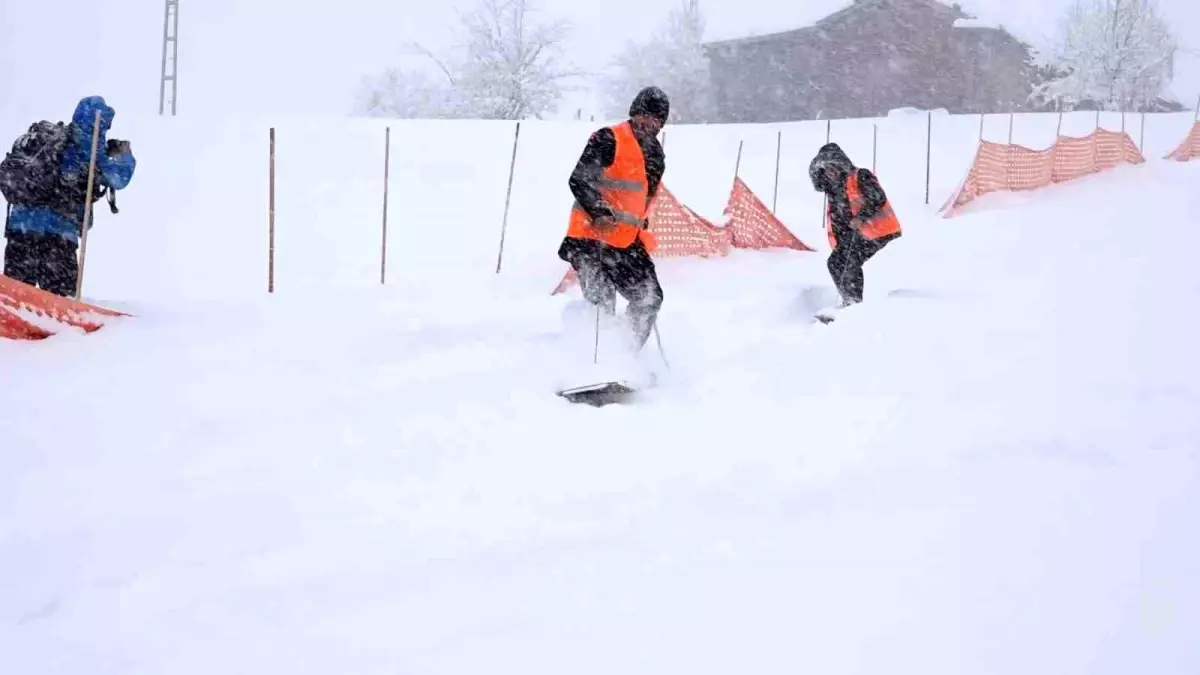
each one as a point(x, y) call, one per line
point(832, 157)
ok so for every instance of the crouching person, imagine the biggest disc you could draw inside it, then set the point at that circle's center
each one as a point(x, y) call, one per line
point(858, 220)
point(45, 180)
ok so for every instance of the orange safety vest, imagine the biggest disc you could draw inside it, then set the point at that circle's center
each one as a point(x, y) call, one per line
point(883, 223)
point(623, 187)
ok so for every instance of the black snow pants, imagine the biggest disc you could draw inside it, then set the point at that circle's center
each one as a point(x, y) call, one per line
point(605, 271)
point(46, 261)
point(846, 264)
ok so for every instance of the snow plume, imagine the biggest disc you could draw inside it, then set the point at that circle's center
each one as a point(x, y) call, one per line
point(673, 60)
point(1114, 54)
point(505, 65)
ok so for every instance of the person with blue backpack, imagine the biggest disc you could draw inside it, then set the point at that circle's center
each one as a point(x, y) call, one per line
point(44, 179)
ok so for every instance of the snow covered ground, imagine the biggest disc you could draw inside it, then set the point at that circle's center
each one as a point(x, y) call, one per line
point(991, 466)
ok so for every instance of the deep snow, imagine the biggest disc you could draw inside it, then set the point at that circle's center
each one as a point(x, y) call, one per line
point(991, 466)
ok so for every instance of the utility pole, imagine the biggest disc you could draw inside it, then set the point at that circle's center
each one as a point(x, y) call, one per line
point(170, 56)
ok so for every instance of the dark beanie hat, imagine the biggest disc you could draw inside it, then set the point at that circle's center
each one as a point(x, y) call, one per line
point(651, 101)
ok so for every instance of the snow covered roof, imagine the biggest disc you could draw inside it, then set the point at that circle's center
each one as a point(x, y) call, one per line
point(802, 16)
point(1030, 21)
point(976, 23)
point(787, 18)
point(799, 16)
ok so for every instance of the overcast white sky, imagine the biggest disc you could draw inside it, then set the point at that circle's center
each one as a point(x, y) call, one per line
point(306, 56)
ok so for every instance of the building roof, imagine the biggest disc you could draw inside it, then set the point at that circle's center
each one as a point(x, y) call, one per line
point(841, 8)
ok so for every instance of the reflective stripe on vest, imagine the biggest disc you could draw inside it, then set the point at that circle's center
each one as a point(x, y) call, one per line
point(623, 187)
point(615, 184)
point(619, 216)
point(882, 224)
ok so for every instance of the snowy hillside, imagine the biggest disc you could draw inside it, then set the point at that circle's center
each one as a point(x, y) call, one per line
point(991, 466)
point(199, 202)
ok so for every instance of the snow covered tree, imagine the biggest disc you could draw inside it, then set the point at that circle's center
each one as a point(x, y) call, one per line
point(1114, 54)
point(512, 68)
point(409, 94)
point(504, 65)
point(673, 60)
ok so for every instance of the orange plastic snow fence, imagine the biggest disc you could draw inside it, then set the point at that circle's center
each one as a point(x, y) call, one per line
point(13, 327)
point(28, 313)
point(753, 225)
point(683, 233)
point(1000, 167)
point(1189, 149)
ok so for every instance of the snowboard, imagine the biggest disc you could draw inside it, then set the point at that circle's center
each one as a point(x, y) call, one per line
point(610, 370)
point(599, 394)
point(823, 318)
point(819, 302)
point(827, 313)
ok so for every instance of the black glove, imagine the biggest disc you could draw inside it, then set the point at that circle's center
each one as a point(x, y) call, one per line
point(116, 147)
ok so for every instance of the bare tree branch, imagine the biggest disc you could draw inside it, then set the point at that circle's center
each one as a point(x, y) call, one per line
point(1115, 54)
point(672, 59)
point(504, 64)
point(417, 48)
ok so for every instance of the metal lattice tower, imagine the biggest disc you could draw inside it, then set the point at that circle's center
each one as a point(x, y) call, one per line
point(170, 56)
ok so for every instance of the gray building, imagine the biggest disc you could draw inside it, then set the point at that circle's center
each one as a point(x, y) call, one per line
point(867, 59)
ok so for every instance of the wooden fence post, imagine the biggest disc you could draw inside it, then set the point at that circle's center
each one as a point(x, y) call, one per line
point(825, 197)
point(387, 164)
point(271, 220)
point(87, 208)
point(874, 147)
point(928, 155)
point(512, 167)
point(778, 154)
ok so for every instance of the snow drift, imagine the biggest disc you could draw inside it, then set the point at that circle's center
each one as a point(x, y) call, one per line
point(991, 466)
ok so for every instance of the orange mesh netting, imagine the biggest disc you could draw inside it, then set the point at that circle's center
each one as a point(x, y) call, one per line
point(28, 313)
point(1189, 149)
point(753, 225)
point(1010, 168)
point(680, 232)
point(13, 327)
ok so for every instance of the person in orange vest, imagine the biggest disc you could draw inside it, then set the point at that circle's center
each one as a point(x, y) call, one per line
point(608, 241)
point(859, 220)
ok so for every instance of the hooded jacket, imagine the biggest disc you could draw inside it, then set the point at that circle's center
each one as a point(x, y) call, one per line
point(113, 172)
point(831, 156)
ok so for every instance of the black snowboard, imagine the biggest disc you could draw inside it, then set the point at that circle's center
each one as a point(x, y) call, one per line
point(599, 394)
